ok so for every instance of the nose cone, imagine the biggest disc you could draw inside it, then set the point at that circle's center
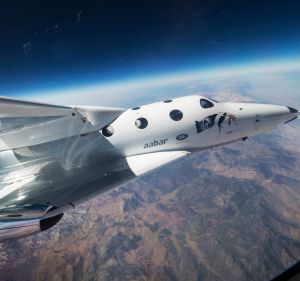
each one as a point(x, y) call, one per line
point(272, 111)
point(264, 116)
point(293, 110)
point(293, 114)
point(273, 115)
point(269, 111)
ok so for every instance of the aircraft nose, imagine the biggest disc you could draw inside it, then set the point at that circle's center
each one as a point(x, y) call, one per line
point(267, 115)
point(292, 110)
point(276, 114)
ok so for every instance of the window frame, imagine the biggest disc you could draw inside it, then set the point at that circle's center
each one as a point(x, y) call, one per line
point(143, 125)
point(211, 104)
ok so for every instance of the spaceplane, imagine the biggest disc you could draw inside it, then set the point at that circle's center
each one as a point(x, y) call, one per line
point(52, 158)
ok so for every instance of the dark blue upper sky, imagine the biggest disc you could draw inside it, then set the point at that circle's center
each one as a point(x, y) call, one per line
point(49, 44)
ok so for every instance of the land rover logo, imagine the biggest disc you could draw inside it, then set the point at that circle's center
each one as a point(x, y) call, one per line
point(182, 137)
point(155, 143)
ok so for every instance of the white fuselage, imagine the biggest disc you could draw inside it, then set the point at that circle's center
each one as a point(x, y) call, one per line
point(195, 127)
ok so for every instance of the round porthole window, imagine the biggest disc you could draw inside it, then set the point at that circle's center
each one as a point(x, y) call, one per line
point(176, 115)
point(141, 123)
point(136, 108)
point(167, 101)
point(108, 131)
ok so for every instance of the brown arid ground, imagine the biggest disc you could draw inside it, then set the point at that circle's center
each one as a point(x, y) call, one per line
point(230, 213)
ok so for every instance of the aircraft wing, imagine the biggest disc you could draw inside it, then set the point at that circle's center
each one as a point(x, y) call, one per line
point(48, 152)
point(53, 158)
point(25, 123)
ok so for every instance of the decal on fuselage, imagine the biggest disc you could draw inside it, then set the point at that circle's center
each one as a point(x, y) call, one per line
point(182, 137)
point(232, 119)
point(207, 123)
point(221, 120)
point(155, 143)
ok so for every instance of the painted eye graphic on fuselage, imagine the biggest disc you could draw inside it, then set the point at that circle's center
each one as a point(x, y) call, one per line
point(221, 120)
point(206, 123)
point(182, 137)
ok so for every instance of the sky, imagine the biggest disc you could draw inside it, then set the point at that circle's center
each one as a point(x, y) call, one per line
point(57, 44)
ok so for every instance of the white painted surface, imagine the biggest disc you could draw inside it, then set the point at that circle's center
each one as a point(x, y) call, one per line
point(162, 131)
point(141, 164)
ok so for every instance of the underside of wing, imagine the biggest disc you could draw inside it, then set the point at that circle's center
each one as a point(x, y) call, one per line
point(25, 123)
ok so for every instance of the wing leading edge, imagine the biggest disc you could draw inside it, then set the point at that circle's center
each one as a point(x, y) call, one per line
point(25, 123)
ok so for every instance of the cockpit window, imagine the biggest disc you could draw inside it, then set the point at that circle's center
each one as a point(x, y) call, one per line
point(141, 123)
point(176, 115)
point(206, 103)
